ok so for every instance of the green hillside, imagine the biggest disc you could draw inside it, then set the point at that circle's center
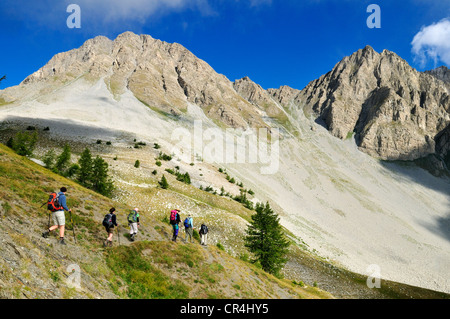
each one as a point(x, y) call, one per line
point(152, 267)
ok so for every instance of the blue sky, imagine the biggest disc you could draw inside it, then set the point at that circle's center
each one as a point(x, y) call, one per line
point(274, 42)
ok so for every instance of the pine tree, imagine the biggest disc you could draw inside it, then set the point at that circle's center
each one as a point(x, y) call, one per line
point(23, 143)
point(163, 183)
point(63, 160)
point(73, 170)
point(49, 159)
point(187, 178)
point(265, 239)
point(10, 143)
point(85, 172)
point(101, 183)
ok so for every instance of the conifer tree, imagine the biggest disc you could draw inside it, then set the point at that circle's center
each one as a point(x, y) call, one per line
point(265, 239)
point(23, 143)
point(72, 170)
point(85, 172)
point(163, 183)
point(63, 160)
point(49, 159)
point(101, 183)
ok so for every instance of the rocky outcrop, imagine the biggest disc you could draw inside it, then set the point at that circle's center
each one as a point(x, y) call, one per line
point(259, 97)
point(164, 76)
point(395, 111)
point(443, 146)
point(441, 73)
point(285, 96)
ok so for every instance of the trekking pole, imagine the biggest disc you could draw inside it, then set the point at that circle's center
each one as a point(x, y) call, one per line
point(49, 215)
point(73, 226)
point(118, 234)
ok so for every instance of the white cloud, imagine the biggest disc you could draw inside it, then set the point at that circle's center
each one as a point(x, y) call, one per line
point(113, 11)
point(433, 42)
point(100, 16)
point(136, 10)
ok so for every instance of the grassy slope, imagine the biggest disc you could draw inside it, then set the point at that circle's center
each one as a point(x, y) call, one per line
point(33, 267)
point(226, 219)
point(31, 182)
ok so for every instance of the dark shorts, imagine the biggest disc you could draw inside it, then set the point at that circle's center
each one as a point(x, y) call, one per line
point(109, 230)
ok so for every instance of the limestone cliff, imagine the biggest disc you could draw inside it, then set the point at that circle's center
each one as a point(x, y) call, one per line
point(164, 76)
point(396, 112)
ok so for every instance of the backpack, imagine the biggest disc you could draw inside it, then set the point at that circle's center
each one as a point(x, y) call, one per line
point(53, 202)
point(132, 217)
point(173, 217)
point(187, 223)
point(204, 229)
point(107, 221)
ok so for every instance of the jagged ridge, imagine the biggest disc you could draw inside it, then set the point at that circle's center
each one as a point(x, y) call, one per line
point(396, 112)
point(164, 76)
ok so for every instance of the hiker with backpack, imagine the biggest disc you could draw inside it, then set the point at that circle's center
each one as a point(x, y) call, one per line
point(203, 234)
point(57, 205)
point(189, 228)
point(175, 219)
point(133, 222)
point(109, 221)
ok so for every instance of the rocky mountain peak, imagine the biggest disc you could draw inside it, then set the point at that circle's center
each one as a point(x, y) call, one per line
point(164, 76)
point(367, 53)
point(249, 90)
point(396, 112)
point(259, 97)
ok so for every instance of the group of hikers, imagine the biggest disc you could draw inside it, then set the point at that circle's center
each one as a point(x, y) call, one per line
point(175, 219)
point(57, 204)
point(110, 221)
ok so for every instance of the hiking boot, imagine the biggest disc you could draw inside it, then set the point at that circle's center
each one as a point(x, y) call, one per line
point(62, 242)
point(105, 243)
point(132, 237)
point(45, 234)
point(110, 243)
